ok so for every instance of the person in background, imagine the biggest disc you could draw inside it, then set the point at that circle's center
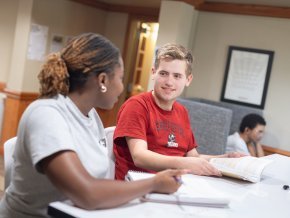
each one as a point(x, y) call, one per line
point(247, 140)
point(153, 131)
point(61, 148)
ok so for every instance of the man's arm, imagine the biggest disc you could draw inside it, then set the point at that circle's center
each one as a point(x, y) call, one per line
point(256, 149)
point(194, 153)
point(147, 159)
point(260, 151)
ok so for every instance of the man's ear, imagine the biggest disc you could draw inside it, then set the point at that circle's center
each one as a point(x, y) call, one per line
point(153, 71)
point(188, 80)
point(247, 130)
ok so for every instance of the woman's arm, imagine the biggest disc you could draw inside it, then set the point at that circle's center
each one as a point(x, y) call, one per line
point(67, 173)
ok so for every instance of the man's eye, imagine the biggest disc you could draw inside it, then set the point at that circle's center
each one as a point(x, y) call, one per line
point(177, 76)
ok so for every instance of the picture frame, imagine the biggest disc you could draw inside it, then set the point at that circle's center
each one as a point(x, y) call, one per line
point(247, 76)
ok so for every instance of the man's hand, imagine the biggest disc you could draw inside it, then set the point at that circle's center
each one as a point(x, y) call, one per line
point(235, 155)
point(200, 166)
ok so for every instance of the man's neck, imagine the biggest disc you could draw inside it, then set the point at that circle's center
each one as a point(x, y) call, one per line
point(244, 137)
point(167, 106)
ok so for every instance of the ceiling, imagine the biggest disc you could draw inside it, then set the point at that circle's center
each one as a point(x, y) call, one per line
point(156, 3)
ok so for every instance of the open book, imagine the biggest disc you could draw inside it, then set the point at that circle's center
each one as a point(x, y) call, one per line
point(195, 190)
point(246, 168)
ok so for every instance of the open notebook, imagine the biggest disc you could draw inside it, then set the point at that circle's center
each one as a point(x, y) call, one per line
point(195, 190)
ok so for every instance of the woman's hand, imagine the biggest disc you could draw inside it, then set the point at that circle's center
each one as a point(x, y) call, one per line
point(167, 181)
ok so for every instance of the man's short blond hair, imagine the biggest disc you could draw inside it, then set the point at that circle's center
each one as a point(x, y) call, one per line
point(172, 51)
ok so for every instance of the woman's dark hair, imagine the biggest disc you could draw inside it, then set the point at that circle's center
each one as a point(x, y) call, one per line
point(68, 70)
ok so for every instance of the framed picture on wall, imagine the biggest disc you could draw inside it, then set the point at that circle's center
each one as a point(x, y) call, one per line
point(247, 76)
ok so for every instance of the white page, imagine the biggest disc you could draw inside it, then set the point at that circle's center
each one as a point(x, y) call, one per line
point(195, 190)
point(248, 168)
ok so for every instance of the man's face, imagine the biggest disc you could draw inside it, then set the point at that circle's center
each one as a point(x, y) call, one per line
point(170, 80)
point(256, 134)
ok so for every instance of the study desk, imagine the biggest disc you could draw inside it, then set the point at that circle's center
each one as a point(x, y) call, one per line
point(265, 199)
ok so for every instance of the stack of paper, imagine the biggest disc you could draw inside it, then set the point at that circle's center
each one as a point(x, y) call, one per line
point(195, 190)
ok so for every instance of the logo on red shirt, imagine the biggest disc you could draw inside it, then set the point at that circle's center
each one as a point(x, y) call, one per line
point(171, 141)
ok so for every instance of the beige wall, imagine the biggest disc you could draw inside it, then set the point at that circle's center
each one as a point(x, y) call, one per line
point(20, 42)
point(179, 29)
point(8, 13)
point(214, 33)
point(115, 28)
point(62, 17)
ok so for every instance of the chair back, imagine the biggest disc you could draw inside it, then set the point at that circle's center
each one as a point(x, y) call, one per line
point(210, 124)
point(109, 131)
point(9, 147)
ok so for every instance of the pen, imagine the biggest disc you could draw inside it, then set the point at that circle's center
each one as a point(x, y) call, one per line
point(178, 179)
point(285, 187)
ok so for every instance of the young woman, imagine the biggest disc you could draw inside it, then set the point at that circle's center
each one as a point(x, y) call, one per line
point(61, 146)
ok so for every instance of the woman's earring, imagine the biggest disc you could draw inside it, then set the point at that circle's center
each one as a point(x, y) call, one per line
point(103, 88)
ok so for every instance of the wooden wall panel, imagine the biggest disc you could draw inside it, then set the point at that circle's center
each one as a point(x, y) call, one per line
point(270, 150)
point(14, 105)
point(2, 86)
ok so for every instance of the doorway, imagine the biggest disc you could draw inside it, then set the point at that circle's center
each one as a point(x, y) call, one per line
point(138, 57)
point(140, 69)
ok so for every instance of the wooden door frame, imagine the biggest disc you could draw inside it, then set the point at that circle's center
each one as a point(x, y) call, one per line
point(109, 116)
point(132, 18)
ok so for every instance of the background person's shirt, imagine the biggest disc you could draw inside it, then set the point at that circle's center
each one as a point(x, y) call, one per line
point(236, 144)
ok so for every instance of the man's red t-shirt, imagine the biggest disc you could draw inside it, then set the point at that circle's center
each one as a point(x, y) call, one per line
point(166, 132)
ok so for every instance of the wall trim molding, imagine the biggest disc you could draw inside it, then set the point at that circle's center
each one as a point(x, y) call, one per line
point(200, 5)
point(148, 11)
point(26, 96)
point(246, 9)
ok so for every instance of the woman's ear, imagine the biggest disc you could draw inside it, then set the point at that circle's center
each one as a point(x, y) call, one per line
point(102, 79)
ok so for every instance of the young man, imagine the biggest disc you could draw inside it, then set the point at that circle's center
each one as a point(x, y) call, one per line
point(153, 130)
point(247, 140)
